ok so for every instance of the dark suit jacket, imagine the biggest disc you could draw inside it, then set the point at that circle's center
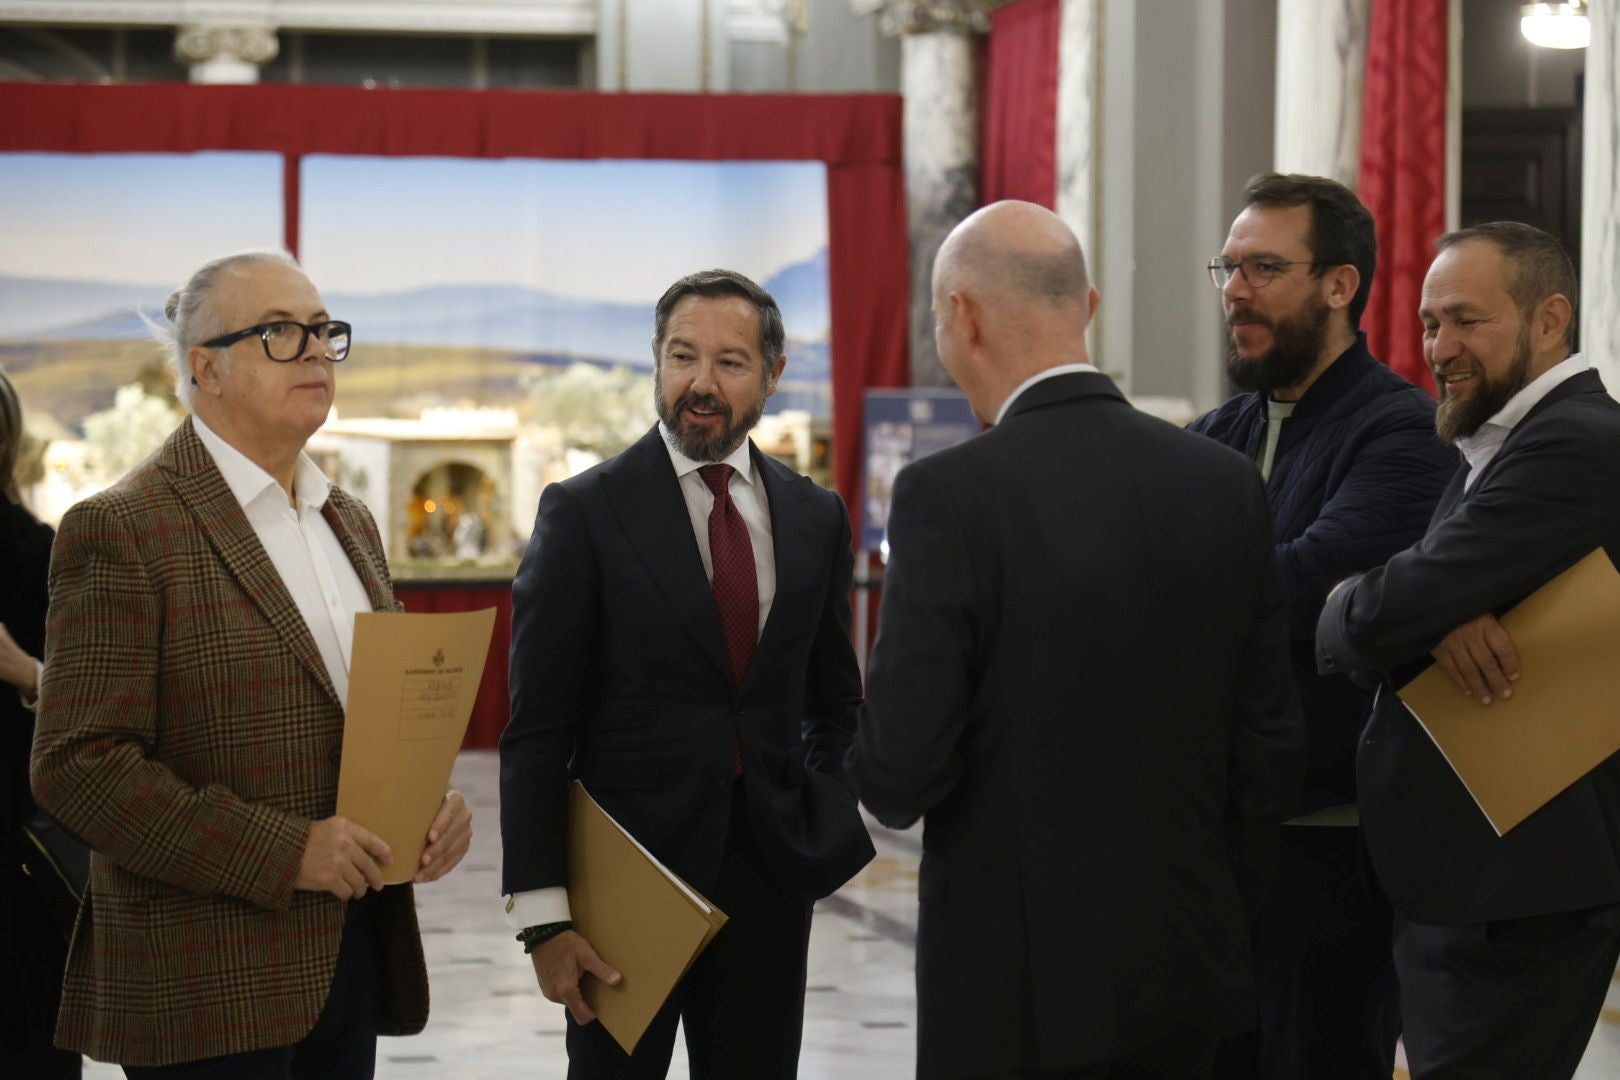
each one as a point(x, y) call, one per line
point(1356, 478)
point(1081, 678)
point(620, 677)
point(189, 732)
point(1549, 496)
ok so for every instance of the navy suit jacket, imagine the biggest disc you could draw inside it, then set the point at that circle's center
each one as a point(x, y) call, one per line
point(1356, 478)
point(1549, 497)
point(620, 677)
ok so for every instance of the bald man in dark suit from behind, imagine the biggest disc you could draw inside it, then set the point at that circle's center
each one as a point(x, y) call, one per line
point(1081, 684)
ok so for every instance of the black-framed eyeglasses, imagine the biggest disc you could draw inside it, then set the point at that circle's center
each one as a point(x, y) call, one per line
point(1257, 270)
point(284, 339)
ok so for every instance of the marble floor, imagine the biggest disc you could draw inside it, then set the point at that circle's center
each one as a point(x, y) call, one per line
point(489, 1020)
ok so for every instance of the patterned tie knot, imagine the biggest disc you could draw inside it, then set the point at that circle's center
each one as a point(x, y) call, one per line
point(718, 477)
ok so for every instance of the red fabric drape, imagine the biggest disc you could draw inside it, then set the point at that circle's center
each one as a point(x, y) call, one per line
point(867, 242)
point(856, 135)
point(490, 708)
point(1403, 171)
point(1019, 108)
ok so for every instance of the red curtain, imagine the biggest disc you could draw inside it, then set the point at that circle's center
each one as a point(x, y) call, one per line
point(1018, 151)
point(868, 259)
point(1403, 171)
point(856, 135)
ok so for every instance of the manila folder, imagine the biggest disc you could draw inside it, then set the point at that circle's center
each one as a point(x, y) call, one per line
point(412, 682)
point(1563, 719)
point(640, 918)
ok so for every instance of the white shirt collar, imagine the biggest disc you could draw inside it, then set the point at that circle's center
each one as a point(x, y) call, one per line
point(248, 481)
point(1041, 376)
point(1479, 448)
point(741, 461)
point(1531, 394)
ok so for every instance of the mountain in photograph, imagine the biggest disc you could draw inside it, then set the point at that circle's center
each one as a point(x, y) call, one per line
point(506, 317)
point(75, 342)
point(802, 292)
point(501, 317)
point(42, 309)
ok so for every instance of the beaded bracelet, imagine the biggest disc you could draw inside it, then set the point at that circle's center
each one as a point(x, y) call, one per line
point(533, 936)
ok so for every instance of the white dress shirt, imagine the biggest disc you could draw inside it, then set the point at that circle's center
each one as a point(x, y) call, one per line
point(305, 551)
point(1041, 376)
point(1480, 447)
point(540, 906)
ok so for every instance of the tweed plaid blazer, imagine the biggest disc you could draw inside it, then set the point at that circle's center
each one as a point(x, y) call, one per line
point(189, 733)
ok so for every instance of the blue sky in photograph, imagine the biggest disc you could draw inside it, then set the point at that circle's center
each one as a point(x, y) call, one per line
point(608, 230)
point(142, 219)
point(562, 257)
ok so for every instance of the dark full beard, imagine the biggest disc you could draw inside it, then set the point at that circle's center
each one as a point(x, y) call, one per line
point(695, 442)
point(1457, 419)
point(1296, 343)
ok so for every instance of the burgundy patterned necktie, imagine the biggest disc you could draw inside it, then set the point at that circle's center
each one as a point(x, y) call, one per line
point(736, 590)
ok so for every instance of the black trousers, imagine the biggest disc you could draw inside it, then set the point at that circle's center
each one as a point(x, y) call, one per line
point(343, 1042)
point(1324, 969)
point(1507, 999)
point(1184, 1055)
point(33, 956)
point(742, 1002)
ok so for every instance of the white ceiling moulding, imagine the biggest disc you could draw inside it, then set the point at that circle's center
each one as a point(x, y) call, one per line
point(571, 18)
point(92, 12)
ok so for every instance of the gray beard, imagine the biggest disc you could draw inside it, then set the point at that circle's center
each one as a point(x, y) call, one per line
point(698, 445)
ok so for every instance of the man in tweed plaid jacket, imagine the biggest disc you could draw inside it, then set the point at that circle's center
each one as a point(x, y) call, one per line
point(191, 723)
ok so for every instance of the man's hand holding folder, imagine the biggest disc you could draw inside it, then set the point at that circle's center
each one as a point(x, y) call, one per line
point(653, 925)
point(1480, 659)
point(1535, 740)
point(561, 963)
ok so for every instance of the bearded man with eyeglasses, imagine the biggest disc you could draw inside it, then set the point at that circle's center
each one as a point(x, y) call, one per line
point(1353, 471)
point(191, 722)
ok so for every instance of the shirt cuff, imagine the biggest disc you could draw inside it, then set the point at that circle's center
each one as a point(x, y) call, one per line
point(537, 907)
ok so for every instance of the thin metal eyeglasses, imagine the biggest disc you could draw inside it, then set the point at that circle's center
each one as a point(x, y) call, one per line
point(1256, 270)
point(284, 340)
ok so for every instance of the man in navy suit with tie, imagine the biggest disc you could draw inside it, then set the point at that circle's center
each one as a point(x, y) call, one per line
point(681, 645)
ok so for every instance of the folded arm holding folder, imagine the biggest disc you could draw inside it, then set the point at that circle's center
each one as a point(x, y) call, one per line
point(1546, 502)
point(1514, 754)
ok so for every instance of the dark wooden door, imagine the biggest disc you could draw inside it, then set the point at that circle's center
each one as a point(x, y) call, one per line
point(1524, 165)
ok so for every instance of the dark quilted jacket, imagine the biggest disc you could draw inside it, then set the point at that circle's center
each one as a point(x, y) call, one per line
point(1356, 477)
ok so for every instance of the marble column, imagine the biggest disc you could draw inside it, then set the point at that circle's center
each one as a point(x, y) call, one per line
point(941, 116)
point(1600, 196)
point(1078, 120)
point(225, 54)
point(1321, 72)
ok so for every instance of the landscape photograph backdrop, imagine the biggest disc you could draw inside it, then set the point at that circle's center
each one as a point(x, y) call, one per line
point(468, 281)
